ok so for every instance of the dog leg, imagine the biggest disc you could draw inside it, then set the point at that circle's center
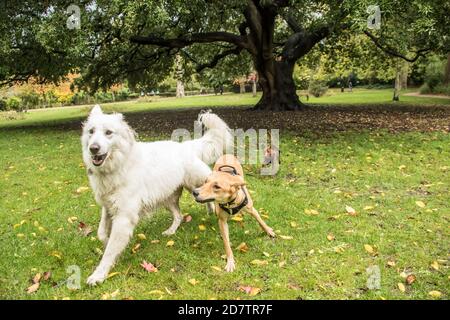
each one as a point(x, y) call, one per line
point(104, 228)
point(261, 222)
point(177, 218)
point(121, 232)
point(223, 225)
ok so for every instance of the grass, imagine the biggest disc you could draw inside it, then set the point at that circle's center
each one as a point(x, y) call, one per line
point(379, 174)
point(359, 96)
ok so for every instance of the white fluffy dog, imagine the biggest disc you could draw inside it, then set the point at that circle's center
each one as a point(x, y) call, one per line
point(131, 178)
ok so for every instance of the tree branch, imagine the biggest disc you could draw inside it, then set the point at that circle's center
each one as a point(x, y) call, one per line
point(189, 39)
point(391, 51)
point(215, 60)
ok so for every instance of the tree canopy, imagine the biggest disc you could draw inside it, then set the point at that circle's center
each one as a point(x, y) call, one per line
point(138, 41)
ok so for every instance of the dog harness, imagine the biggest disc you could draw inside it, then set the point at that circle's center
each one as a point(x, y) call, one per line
point(226, 206)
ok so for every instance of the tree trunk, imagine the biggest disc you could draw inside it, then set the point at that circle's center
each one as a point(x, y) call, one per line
point(180, 89)
point(241, 86)
point(278, 87)
point(254, 87)
point(447, 71)
point(397, 86)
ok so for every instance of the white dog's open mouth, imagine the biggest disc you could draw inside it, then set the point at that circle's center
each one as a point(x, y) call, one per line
point(98, 159)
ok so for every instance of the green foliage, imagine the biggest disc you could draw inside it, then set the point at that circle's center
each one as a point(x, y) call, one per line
point(3, 105)
point(317, 88)
point(13, 103)
point(434, 72)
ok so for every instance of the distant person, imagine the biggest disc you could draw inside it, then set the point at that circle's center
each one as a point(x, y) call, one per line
point(350, 86)
point(221, 89)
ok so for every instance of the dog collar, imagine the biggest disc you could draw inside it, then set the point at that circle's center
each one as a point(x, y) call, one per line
point(232, 211)
point(233, 170)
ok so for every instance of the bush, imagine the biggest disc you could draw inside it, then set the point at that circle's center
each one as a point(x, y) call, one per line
point(3, 105)
point(317, 88)
point(434, 73)
point(30, 100)
point(442, 89)
point(425, 89)
point(13, 103)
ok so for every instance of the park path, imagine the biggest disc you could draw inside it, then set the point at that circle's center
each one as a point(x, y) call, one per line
point(418, 94)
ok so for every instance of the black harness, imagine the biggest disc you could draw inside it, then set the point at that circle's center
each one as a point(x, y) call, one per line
point(226, 206)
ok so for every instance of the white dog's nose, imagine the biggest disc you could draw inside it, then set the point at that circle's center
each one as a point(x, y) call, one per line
point(94, 148)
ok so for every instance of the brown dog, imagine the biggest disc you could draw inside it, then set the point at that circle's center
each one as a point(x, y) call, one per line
point(226, 187)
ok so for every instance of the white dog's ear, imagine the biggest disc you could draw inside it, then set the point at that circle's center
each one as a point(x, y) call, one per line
point(96, 110)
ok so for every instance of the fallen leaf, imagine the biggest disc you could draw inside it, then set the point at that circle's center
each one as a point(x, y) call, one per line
point(369, 248)
point(251, 291)
point(410, 279)
point(391, 263)
point(266, 254)
point(46, 275)
point(294, 224)
point(82, 189)
point(170, 243)
point(330, 237)
point(435, 294)
point(401, 287)
point(350, 211)
point(156, 292)
point(193, 282)
point(281, 264)
point(435, 265)
point(154, 241)
point(56, 254)
point(202, 227)
point(286, 237)
point(258, 262)
point(33, 288)
point(187, 218)
point(242, 247)
point(37, 278)
point(72, 219)
point(141, 236)
point(149, 266)
point(135, 248)
point(420, 204)
point(311, 212)
point(216, 268)
point(237, 218)
point(84, 228)
point(368, 208)
point(112, 274)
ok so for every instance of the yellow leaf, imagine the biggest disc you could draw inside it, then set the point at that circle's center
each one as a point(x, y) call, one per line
point(391, 263)
point(242, 247)
point(112, 274)
point(237, 218)
point(369, 248)
point(193, 282)
point(216, 268)
point(286, 237)
point(136, 248)
point(82, 189)
point(294, 224)
point(168, 291)
point(141, 236)
point(402, 167)
point(254, 291)
point(420, 204)
point(282, 263)
point(368, 208)
point(435, 265)
point(435, 294)
point(170, 243)
point(330, 237)
point(156, 292)
point(401, 287)
point(258, 262)
point(202, 227)
point(72, 219)
point(266, 254)
point(56, 254)
point(154, 241)
point(20, 235)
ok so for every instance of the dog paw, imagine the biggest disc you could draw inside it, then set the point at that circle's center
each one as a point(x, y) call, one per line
point(230, 266)
point(96, 278)
point(271, 233)
point(168, 232)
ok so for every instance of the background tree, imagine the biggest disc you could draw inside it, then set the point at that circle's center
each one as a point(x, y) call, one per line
point(139, 40)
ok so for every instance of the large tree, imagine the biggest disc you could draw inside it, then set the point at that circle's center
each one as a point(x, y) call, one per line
point(138, 40)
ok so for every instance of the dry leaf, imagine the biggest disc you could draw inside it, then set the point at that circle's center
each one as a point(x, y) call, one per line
point(282, 263)
point(237, 218)
point(420, 204)
point(156, 292)
point(202, 227)
point(350, 211)
point(141, 236)
point(170, 243)
point(294, 224)
point(216, 268)
point(33, 288)
point(242, 247)
point(286, 237)
point(193, 282)
point(391, 263)
point(410, 279)
point(330, 237)
point(37, 278)
point(187, 218)
point(435, 294)
point(251, 291)
point(369, 248)
point(311, 212)
point(149, 266)
point(112, 274)
point(135, 248)
point(435, 265)
point(258, 262)
point(46, 275)
point(82, 189)
point(401, 287)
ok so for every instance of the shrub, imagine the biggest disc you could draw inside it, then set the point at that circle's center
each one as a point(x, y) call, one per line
point(317, 88)
point(3, 105)
point(13, 103)
point(30, 100)
point(425, 89)
point(434, 73)
point(442, 89)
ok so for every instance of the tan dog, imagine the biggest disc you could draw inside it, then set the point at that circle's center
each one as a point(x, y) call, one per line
point(226, 187)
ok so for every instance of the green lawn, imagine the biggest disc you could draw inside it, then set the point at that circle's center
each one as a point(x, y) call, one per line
point(359, 96)
point(397, 183)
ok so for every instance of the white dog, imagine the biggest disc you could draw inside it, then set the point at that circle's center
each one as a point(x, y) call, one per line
point(131, 178)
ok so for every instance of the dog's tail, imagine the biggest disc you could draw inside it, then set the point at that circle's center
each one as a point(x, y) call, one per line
point(216, 140)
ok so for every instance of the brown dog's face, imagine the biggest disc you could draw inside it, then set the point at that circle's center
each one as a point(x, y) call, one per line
point(220, 187)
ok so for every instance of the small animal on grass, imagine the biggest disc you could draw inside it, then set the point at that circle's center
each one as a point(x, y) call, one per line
point(226, 187)
point(130, 178)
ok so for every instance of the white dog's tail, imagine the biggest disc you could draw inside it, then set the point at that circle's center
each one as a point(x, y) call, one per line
point(216, 140)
